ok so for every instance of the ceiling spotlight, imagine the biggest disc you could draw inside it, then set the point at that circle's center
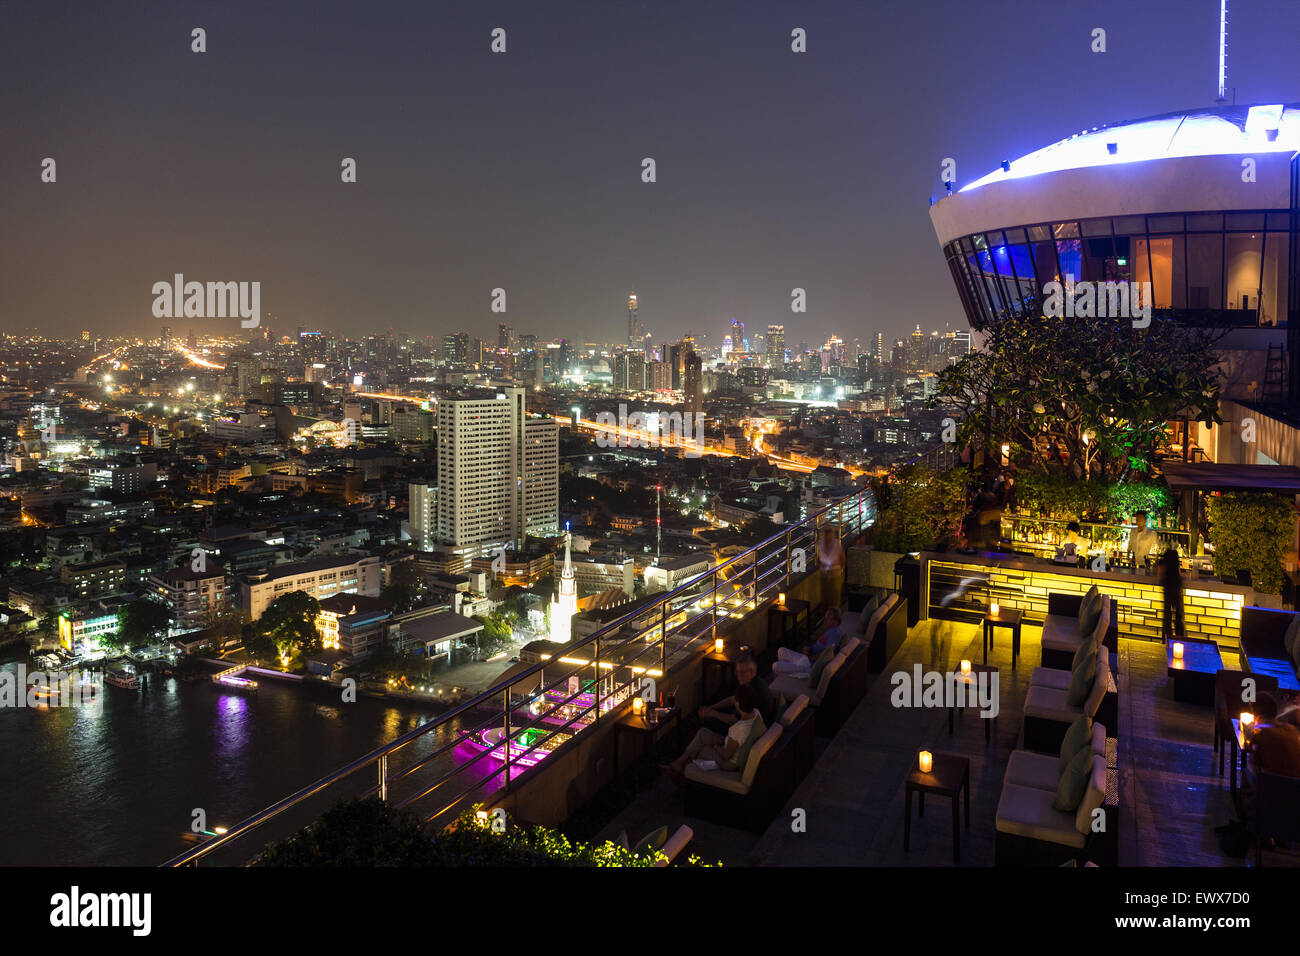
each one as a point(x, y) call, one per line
point(1112, 148)
point(1006, 165)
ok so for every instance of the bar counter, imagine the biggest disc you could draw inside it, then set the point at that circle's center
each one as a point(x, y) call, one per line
point(960, 586)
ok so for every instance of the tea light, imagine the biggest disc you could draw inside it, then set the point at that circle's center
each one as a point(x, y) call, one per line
point(965, 668)
point(638, 705)
point(926, 760)
point(993, 608)
point(1247, 720)
point(718, 646)
point(780, 599)
point(1178, 651)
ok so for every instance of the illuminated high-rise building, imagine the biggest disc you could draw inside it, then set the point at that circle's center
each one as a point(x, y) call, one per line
point(776, 345)
point(633, 323)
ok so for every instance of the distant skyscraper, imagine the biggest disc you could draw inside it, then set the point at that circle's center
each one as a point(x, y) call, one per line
point(776, 344)
point(194, 342)
point(166, 335)
point(738, 335)
point(498, 474)
point(633, 323)
point(423, 507)
point(880, 347)
point(85, 335)
point(503, 337)
point(693, 382)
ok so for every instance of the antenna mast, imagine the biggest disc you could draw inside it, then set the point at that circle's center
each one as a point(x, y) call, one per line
point(1223, 50)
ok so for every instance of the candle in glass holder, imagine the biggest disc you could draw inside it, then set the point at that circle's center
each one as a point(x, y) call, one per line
point(965, 668)
point(638, 705)
point(993, 608)
point(926, 760)
point(1178, 651)
point(718, 646)
point(780, 598)
point(1247, 721)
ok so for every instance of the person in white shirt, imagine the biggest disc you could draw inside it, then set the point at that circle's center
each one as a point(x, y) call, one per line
point(709, 745)
point(830, 561)
point(1142, 540)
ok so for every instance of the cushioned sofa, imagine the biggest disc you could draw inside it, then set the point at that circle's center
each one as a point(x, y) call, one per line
point(747, 798)
point(1030, 831)
point(1061, 636)
point(1263, 651)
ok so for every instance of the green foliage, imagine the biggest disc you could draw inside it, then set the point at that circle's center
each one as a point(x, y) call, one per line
point(1251, 532)
point(290, 624)
point(1059, 495)
point(372, 833)
point(919, 508)
point(1101, 391)
point(405, 587)
point(140, 622)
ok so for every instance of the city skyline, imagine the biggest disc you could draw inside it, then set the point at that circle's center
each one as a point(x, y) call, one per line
point(462, 190)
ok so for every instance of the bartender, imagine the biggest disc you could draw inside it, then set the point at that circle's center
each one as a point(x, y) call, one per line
point(1142, 540)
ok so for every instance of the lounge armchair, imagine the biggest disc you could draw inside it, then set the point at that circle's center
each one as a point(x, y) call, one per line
point(1025, 768)
point(798, 723)
point(885, 632)
point(1277, 810)
point(1061, 638)
point(1049, 713)
point(1030, 831)
point(1262, 649)
point(838, 691)
point(746, 799)
point(1228, 704)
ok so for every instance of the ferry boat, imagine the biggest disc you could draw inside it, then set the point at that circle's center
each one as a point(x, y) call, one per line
point(324, 711)
point(122, 679)
point(492, 740)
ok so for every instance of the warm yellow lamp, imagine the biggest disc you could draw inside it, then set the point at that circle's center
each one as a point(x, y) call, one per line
point(1178, 651)
point(927, 761)
point(638, 705)
point(993, 609)
point(780, 599)
point(965, 668)
point(718, 646)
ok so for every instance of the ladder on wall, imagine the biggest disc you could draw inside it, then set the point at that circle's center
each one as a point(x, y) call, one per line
point(1274, 389)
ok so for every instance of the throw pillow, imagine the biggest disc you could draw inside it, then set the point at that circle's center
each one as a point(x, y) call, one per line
point(1086, 646)
point(1076, 738)
point(1074, 782)
point(819, 665)
point(1089, 611)
point(756, 731)
point(652, 842)
point(1082, 678)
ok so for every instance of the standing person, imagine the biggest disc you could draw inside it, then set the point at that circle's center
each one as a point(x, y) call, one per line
point(1171, 581)
point(1142, 541)
point(830, 561)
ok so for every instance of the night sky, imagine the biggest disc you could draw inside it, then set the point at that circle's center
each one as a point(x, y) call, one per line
point(523, 170)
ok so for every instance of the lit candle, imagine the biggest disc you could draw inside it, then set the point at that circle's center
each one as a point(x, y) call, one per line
point(1247, 720)
point(780, 599)
point(1178, 651)
point(965, 668)
point(638, 705)
point(993, 609)
point(927, 761)
point(718, 646)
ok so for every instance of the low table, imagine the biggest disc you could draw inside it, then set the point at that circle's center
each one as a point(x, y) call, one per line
point(788, 617)
point(643, 734)
point(1193, 675)
point(972, 698)
point(1008, 617)
point(949, 775)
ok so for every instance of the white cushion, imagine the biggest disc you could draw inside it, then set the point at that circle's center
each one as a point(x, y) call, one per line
point(1099, 685)
point(1050, 703)
point(1092, 797)
point(1028, 812)
point(1050, 677)
point(790, 686)
point(758, 752)
point(676, 843)
point(870, 632)
point(829, 671)
point(1028, 769)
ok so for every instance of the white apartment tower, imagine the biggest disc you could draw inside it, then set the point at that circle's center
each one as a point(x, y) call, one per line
point(498, 474)
point(423, 508)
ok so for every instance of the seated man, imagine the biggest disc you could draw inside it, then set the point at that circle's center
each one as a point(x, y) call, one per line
point(1275, 744)
point(799, 662)
point(708, 745)
point(720, 715)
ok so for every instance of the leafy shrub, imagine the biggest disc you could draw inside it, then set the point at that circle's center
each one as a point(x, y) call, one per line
point(1251, 532)
point(919, 508)
point(372, 833)
point(1064, 496)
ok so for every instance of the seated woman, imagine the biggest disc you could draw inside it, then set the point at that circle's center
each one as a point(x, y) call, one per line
point(799, 663)
point(708, 745)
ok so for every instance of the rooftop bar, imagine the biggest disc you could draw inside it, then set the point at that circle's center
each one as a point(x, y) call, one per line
point(960, 587)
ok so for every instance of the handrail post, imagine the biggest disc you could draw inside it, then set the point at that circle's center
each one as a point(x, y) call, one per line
point(789, 556)
point(663, 627)
point(756, 578)
point(505, 703)
point(383, 777)
point(596, 685)
point(713, 628)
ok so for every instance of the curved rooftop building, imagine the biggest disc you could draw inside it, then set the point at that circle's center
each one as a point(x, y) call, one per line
point(1201, 204)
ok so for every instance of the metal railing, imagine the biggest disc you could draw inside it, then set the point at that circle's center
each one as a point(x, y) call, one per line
point(596, 676)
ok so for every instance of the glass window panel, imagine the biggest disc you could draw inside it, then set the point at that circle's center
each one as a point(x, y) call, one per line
point(1070, 254)
point(1095, 254)
point(994, 239)
point(1164, 224)
point(1245, 220)
point(1130, 224)
point(1045, 263)
point(978, 239)
point(1066, 230)
point(1096, 227)
point(1043, 233)
point(1242, 270)
point(1273, 298)
point(967, 247)
point(1205, 222)
point(1205, 272)
point(1279, 220)
point(1120, 266)
point(1016, 236)
point(1155, 264)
